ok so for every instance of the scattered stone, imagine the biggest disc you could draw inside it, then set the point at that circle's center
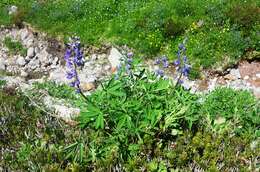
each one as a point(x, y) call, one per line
point(212, 84)
point(34, 63)
point(59, 76)
point(29, 42)
point(246, 77)
point(66, 113)
point(107, 67)
point(221, 81)
point(115, 57)
point(2, 64)
point(24, 74)
point(257, 75)
point(24, 34)
point(230, 77)
point(20, 61)
point(30, 52)
point(87, 86)
point(235, 73)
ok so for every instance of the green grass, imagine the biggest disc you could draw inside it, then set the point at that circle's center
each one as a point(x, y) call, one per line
point(151, 27)
point(15, 47)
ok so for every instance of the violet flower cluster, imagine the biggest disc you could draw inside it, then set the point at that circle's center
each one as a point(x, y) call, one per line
point(165, 64)
point(182, 62)
point(128, 63)
point(74, 59)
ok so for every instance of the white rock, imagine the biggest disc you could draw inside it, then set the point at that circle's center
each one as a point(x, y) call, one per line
point(212, 84)
point(236, 73)
point(115, 57)
point(43, 56)
point(188, 84)
point(59, 76)
point(34, 63)
point(246, 77)
point(37, 50)
point(66, 113)
point(28, 42)
point(107, 67)
point(55, 61)
point(20, 61)
point(30, 52)
point(94, 57)
point(24, 34)
point(24, 74)
point(2, 64)
point(257, 75)
point(12, 10)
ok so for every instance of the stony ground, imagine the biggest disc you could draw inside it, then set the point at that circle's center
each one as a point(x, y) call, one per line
point(44, 62)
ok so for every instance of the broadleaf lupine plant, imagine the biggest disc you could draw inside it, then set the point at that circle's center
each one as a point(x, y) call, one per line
point(74, 59)
point(181, 64)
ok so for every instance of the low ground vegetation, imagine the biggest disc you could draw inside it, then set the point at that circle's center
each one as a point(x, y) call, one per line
point(177, 131)
point(216, 31)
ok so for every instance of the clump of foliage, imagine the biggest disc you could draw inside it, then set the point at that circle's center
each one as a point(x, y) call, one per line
point(15, 47)
point(167, 135)
point(230, 109)
point(176, 130)
point(244, 15)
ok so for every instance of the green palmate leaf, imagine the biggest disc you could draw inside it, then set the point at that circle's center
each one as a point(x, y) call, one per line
point(89, 115)
point(116, 90)
point(99, 121)
point(121, 122)
point(162, 85)
point(170, 119)
point(155, 117)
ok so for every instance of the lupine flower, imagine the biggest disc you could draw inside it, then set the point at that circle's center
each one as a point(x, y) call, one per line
point(130, 54)
point(157, 61)
point(74, 58)
point(182, 62)
point(159, 72)
point(166, 64)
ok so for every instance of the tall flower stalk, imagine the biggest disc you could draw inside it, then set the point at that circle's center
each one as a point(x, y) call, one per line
point(182, 62)
point(74, 59)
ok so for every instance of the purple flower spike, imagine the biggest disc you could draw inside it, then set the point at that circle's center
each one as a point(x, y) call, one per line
point(186, 70)
point(180, 82)
point(130, 54)
point(181, 46)
point(164, 58)
point(177, 62)
point(185, 59)
point(166, 64)
point(74, 58)
point(159, 72)
point(129, 60)
point(157, 61)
